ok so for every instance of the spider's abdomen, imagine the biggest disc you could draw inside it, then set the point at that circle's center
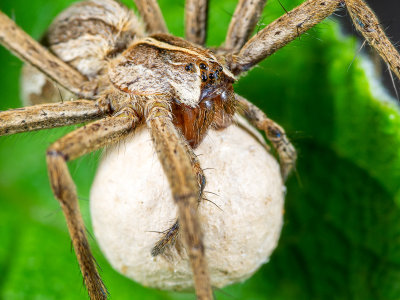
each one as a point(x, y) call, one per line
point(85, 35)
point(89, 32)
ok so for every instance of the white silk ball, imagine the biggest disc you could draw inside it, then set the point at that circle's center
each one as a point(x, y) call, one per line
point(131, 202)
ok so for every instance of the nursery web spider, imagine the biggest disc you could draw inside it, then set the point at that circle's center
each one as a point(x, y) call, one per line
point(124, 77)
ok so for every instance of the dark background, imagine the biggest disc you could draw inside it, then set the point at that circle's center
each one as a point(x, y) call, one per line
point(388, 14)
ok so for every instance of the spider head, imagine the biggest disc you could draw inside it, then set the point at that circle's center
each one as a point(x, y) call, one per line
point(170, 66)
point(195, 81)
point(215, 106)
point(202, 88)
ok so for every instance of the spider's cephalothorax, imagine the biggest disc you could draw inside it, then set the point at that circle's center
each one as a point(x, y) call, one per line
point(98, 51)
point(115, 50)
point(191, 79)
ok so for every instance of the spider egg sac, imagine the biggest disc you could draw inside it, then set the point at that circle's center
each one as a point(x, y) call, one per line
point(131, 204)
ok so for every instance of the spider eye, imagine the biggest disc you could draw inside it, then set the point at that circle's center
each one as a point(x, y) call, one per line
point(202, 66)
point(220, 68)
point(189, 67)
point(211, 76)
point(203, 77)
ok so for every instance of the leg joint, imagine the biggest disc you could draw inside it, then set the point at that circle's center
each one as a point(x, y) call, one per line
point(184, 197)
point(52, 152)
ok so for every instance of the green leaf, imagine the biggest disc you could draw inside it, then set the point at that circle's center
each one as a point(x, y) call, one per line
point(341, 238)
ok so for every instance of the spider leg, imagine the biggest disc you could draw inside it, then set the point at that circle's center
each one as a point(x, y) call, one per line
point(22, 45)
point(170, 236)
point(275, 134)
point(152, 16)
point(368, 25)
point(245, 18)
point(53, 115)
point(171, 148)
point(282, 31)
point(75, 144)
point(288, 27)
point(196, 15)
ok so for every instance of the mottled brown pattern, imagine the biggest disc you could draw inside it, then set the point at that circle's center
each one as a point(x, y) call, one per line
point(171, 150)
point(77, 143)
point(152, 16)
point(22, 45)
point(282, 31)
point(48, 116)
point(86, 35)
point(161, 67)
point(90, 32)
point(196, 17)
point(74, 29)
point(170, 237)
point(369, 26)
point(244, 20)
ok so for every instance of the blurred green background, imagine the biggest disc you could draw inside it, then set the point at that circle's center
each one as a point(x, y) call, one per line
point(341, 238)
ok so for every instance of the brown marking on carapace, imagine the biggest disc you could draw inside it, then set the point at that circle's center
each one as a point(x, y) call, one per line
point(216, 110)
point(196, 85)
point(179, 42)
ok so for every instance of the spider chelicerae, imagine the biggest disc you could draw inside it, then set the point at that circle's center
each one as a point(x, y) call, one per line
point(167, 83)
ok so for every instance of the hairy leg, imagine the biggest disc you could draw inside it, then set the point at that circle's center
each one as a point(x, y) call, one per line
point(152, 16)
point(368, 25)
point(170, 236)
point(196, 15)
point(282, 31)
point(53, 115)
point(245, 18)
point(30, 51)
point(171, 148)
point(297, 21)
point(275, 134)
point(77, 143)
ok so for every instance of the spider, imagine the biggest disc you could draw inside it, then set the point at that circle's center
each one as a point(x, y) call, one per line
point(175, 87)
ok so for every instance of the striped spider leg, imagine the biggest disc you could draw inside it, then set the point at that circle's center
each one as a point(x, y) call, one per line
point(243, 55)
